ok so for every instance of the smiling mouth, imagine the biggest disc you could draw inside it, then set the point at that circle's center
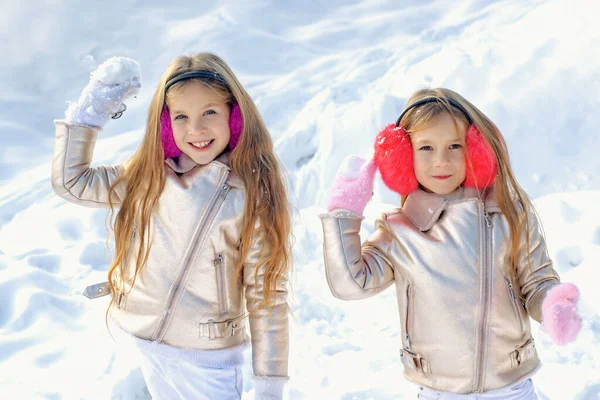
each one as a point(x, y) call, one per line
point(203, 145)
point(442, 177)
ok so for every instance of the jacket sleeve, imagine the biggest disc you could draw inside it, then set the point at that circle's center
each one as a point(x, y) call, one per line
point(537, 277)
point(72, 177)
point(268, 328)
point(353, 271)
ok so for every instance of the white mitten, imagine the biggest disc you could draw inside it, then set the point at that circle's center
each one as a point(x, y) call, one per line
point(111, 84)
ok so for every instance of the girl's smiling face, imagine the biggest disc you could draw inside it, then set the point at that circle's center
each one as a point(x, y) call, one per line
point(439, 154)
point(200, 121)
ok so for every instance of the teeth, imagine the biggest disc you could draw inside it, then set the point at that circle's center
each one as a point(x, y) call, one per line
point(201, 145)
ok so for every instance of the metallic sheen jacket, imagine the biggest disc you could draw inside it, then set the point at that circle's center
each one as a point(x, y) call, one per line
point(185, 296)
point(465, 326)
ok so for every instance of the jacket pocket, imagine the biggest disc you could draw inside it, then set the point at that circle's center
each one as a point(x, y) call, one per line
point(221, 276)
point(513, 300)
point(408, 317)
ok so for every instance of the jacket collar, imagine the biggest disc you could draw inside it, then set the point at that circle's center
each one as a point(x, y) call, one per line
point(423, 209)
point(184, 164)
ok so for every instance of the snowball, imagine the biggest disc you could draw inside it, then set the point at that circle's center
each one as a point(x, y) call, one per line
point(116, 70)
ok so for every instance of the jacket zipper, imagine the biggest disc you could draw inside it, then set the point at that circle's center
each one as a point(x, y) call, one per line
point(221, 282)
point(197, 242)
point(513, 300)
point(408, 315)
point(486, 288)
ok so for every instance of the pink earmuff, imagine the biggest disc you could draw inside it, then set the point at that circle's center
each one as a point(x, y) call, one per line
point(236, 125)
point(394, 158)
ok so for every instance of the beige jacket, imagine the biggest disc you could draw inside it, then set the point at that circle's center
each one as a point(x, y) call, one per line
point(464, 327)
point(185, 295)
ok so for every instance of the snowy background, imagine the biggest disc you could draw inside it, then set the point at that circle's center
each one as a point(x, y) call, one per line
point(325, 76)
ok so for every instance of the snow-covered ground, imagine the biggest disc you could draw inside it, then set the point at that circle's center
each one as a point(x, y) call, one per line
point(325, 76)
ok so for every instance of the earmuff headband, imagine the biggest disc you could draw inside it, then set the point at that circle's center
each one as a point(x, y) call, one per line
point(435, 100)
point(195, 74)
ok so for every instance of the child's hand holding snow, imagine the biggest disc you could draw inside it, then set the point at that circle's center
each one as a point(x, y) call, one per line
point(111, 84)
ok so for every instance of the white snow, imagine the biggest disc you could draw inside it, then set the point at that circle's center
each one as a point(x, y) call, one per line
point(326, 76)
point(116, 70)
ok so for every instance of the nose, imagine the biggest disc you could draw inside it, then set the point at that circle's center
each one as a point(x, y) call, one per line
point(197, 127)
point(442, 158)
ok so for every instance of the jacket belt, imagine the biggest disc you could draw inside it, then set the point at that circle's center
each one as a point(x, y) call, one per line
point(231, 327)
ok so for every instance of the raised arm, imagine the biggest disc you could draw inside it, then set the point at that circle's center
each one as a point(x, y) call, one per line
point(354, 271)
point(110, 85)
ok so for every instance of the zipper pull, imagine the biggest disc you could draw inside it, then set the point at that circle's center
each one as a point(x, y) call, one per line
point(224, 190)
point(488, 219)
point(407, 340)
point(510, 287)
point(218, 261)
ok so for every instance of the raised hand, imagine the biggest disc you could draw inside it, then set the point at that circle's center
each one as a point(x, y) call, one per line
point(352, 187)
point(110, 85)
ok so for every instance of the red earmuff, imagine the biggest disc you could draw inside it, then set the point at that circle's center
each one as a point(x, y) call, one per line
point(482, 167)
point(394, 158)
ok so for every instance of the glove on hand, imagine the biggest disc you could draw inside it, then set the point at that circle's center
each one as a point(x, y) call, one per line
point(560, 316)
point(352, 187)
point(111, 84)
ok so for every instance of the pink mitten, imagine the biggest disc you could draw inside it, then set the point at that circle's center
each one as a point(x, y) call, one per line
point(560, 316)
point(353, 185)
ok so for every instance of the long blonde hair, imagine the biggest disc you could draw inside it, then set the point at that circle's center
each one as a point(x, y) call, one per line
point(511, 198)
point(253, 160)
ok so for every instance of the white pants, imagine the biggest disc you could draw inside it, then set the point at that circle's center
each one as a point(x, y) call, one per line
point(179, 374)
point(169, 379)
point(521, 391)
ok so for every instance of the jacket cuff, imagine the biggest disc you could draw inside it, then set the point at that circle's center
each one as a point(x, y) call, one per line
point(69, 125)
point(341, 213)
point(534, 307)
point(269, 387)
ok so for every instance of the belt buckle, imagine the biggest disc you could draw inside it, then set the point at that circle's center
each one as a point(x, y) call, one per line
point(232, 327)
point(211, 329)
point(415, 361)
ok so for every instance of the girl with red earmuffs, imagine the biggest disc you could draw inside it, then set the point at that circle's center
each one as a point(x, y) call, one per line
point(465, 251)
point(202, 229)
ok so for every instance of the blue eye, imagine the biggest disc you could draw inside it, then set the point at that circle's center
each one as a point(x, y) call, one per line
point(209, 112)
point(426, 148)
point(180, 116)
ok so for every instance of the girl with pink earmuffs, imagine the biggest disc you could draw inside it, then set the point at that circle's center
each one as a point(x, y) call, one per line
point(465, 251)
point(202, 230)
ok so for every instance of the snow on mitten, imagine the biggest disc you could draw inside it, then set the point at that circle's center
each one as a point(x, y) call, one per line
point(560, 316)
point(110, 85)
point(352, 187)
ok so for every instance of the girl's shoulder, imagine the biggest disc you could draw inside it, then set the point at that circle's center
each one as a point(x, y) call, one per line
point(395, 220)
